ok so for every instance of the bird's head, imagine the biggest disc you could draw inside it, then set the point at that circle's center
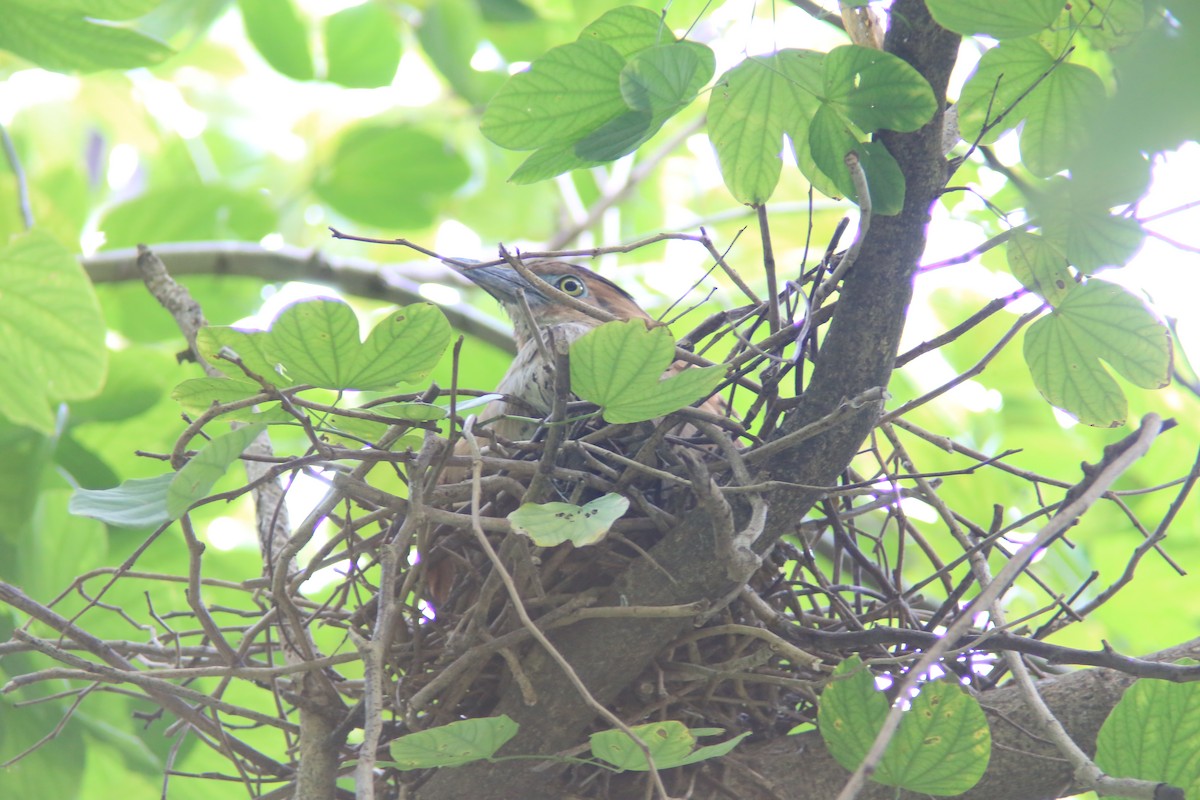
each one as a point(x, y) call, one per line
point(505, 284)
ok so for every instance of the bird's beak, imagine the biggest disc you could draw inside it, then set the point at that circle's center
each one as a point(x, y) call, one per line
point(501, 282)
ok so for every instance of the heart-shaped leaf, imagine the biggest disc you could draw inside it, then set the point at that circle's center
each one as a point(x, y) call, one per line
point(619, 366)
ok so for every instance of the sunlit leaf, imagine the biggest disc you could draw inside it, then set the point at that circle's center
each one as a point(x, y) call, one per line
point(1097, 321)
point(876, 90)
point(67, 40)
point(193, 212)
point(197, 477)
point(456, 743)
point(996, 94)
point(751, 107)
point(628, 30)
point(1010, 19)
point(1039, 266)
point(362, 46)
point(280, 35)
point(52, 331)
point(618, 366)
point(550, 524)
point(1057, 115)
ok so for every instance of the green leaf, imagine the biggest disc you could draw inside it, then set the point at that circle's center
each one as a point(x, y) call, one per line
point(317, 342)
point(1153, 734)
point(197, 395)
point(67, 41)
point(550, 524)
point(182, 213)
point(1097, 321)
point(252, 347)
point(943, 745)
point(1058, 114)
point(1010, 19)
point(280, 35)
point(61, 546)
point(1082, 227)
point(569, 91)
point(391, 176)
point(410, 412)
point(751, 107)
point(941, 748)
point(999, 84)
point(671, 744)
point(1039, 266)
point(450, 33)
point(197, 477)
point(137, 379)
point(52, 331)
point(618, 367)
point(851, 712)
point(628, 30)
point(876, 90)
point(362, 46)
point(136, 503)
point(97, 9)
point(1110, 24)
point(450, 745)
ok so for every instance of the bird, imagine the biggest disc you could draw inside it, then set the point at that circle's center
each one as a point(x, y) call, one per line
point(530, 378)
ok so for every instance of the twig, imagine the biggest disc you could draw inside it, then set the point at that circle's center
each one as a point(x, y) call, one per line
point(1123, 455)
point(519, 607)
point(14, 163)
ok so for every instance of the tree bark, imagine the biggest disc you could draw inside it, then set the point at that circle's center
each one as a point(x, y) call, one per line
point(1023, 766)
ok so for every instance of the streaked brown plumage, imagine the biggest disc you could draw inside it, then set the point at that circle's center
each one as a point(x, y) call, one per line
point(530, 378)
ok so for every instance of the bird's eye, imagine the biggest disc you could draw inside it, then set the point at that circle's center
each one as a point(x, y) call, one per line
point(569, 284)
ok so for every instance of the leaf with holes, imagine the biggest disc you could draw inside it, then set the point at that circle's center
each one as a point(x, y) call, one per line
point(450, 745)
point(619, 366)
point(941, 748)
point(1153, 734)
point(1097, 321)
point(671, 744)
point(550, 524)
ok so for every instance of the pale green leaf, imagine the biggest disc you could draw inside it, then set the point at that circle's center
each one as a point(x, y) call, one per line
point(453, 744)
point(618, 367)
point(1057, 116)
point(1109, 24)
point(410, 412)
point(136, 503)
point(751, 107)
point(52, 331)
point(628, 30)
point(197, 395)
point(196, 478)
point(1039, 266)
point(66, 41)
point(1153, 734)
point(664, 78)
point(450, 33)
point(391, 176)
point(251, 347)
point(569, 91)
point(362, 46)
point(192, 212)
point(317, 342)
point(996, 93)
point(96, 9)
point(671, 744)
point(1009, 19)
point(550, 524)
point(876, 90)
point(1097, 321)
point(280, 34)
